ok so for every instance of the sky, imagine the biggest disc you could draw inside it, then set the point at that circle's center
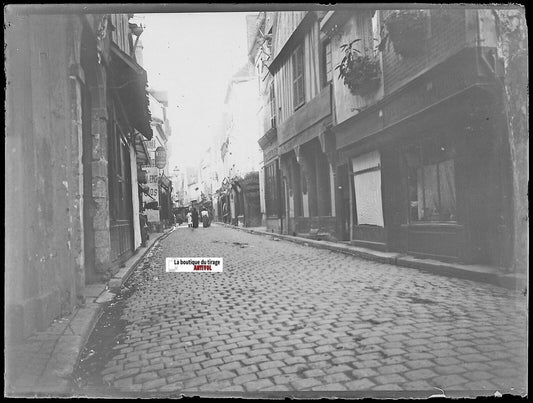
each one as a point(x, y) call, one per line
point(192, 57)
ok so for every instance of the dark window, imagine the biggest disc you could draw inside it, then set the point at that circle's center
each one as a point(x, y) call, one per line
point(298, 84)
point(272, 189)
point(432, 194)
point(119, 172)
point(327, 72)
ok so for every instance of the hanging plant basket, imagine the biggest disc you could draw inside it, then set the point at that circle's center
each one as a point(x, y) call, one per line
point(361, 74)
point(406, 29)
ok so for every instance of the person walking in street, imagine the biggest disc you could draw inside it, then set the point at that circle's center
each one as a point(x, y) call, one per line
point(189, 219)
point(194, 218)
point(205, 217)
point(225, 211)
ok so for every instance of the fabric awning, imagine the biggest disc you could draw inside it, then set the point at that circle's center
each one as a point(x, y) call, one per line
point(141, 152)
point(130, 82)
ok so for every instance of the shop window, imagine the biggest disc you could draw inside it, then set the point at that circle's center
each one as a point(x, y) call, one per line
point(366, 171)
point(432, 183)
point(298, 84)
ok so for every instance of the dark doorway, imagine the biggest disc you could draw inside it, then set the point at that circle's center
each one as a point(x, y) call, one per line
point(343, 202)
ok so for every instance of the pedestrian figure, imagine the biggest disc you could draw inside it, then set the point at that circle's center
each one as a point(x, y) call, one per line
point(225, 211)
point(194, 218)
point(189, 219)
point(205, 218)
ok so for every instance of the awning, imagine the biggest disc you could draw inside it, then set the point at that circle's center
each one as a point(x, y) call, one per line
point(130, 82)
point(141, 152)
point(165, 182)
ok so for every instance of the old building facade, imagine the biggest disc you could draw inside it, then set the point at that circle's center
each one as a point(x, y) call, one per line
point(425, 148)
point(298, 171)
point(239, 153)
point(408, 150)
point(156, 198)
point(76, 104)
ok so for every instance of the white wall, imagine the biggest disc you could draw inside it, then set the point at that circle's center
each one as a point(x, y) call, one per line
point(137, 240)
point(244, 151)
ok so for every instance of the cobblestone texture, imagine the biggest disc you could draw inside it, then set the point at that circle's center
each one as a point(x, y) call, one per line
point(285, 317)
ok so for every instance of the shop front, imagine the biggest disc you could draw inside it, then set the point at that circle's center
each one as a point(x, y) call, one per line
point(433, 185)
point(307, 174)
point(128, 118)
point(272, 183)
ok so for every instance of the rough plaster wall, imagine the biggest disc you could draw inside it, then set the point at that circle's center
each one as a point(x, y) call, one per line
point(43, 274)
point(446, 37)
point(100, 188)
point(18, 129)
point(346, 104)
point(76, 178)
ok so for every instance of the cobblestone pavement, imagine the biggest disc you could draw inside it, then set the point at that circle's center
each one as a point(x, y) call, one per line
point(286, 317)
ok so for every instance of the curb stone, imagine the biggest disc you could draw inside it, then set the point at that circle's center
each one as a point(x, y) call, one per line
point(131, 264)
point(56, 377)
point(479, 273)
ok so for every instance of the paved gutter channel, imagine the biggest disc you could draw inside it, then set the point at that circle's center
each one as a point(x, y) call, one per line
point(108, 327)
point(107, 333)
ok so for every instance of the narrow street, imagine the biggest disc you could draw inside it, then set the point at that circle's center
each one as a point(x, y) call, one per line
point(286, 317)
point(360, 171)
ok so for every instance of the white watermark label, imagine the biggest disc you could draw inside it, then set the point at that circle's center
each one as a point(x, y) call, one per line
point(193, 264)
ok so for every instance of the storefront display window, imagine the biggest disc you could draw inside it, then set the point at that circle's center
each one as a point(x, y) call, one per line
point(432, 182)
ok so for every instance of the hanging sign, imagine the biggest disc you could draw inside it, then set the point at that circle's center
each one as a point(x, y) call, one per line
point(152, 185)
point(160, 157)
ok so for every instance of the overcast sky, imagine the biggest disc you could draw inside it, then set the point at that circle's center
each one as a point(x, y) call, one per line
point(192, 57)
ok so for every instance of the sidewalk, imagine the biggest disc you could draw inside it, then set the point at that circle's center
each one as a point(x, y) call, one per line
point(481, 273)
point(42, 365)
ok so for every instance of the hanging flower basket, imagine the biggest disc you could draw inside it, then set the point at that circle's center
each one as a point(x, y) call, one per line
point(361, 74)
point(407, 31)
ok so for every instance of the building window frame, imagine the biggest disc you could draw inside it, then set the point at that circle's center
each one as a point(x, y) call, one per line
point(437, 159)
point(327, 63)
point(298, 77)
point(272, 189)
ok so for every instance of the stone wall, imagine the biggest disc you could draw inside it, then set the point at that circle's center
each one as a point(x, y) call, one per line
point(43, 212)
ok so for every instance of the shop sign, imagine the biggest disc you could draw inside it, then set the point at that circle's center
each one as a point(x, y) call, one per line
point(152, 215)
point(152, 183)
point(160, 157)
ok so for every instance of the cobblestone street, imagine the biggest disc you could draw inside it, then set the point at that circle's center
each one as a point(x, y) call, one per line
point(288, 318)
